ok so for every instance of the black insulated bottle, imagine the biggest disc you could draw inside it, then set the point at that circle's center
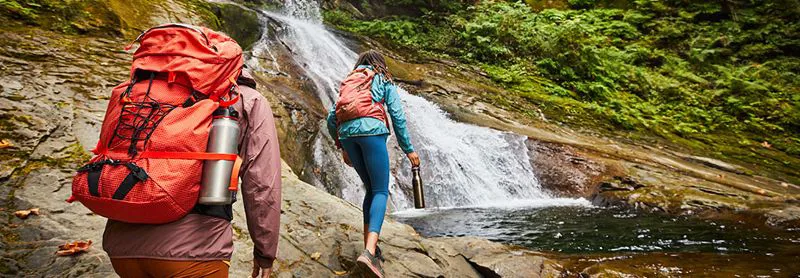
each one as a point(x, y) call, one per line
point(416, 182)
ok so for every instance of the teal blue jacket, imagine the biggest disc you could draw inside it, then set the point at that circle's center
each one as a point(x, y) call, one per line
point(368, 126)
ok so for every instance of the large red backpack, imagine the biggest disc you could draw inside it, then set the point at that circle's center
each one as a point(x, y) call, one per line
point(148, 161)
point(355, 98)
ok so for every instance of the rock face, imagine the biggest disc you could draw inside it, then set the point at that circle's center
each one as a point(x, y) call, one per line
point(561, 169)
point(51, 105)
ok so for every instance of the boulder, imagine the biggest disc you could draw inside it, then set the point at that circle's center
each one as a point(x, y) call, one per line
point(566, 171)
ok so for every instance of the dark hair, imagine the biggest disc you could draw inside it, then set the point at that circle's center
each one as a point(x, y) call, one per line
point(375, 59)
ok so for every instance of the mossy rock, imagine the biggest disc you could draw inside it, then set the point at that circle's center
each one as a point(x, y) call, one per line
point(241, 24)
point(72, 17)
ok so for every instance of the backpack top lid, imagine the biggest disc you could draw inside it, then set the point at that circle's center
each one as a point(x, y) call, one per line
point(209, 60)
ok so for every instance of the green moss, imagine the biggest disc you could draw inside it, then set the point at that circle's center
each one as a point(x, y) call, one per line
point(241, 24)
point(77, 155)
point(11, 121)
point(70, 16)
point(14, 9)
point(134, 15)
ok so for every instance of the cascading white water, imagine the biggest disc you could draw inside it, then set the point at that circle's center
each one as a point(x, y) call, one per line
point(463, 165)
point(319, 52)
point(303, 9)
point(467, 164)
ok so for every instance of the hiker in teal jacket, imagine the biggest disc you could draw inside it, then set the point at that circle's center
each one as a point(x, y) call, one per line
point(367, 126)
point(363, 141)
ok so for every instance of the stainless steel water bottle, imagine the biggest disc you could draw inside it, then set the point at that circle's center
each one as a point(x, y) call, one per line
point(416, 183)
point(223, 138)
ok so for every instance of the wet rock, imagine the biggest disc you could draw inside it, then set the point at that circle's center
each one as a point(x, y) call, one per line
point(450, 259)
point(620, 184)
point(787, 217)
point(240, 23)
point(715, 163)
point(496, 260)
point(690, 264)
point(563, 170)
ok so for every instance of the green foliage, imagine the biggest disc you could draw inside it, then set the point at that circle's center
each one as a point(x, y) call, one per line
point(671, 67)
point(581, 4)
point(15, 9)
point(430, 5)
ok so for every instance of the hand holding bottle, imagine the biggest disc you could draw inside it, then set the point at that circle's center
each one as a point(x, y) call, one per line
point(413, 158)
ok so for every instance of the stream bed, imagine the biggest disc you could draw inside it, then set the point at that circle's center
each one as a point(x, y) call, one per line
point(578, 229)
point(587, 235)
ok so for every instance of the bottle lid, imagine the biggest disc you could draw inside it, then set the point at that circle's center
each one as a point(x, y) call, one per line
point(227, 112)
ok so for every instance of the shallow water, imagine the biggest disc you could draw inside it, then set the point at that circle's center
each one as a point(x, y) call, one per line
point(586, 230)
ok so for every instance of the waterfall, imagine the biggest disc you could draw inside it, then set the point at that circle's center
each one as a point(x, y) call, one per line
point(322, 55)
point(463, 164)
point(467, 164)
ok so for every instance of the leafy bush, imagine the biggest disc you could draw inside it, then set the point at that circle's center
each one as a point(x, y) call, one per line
point(581, 4)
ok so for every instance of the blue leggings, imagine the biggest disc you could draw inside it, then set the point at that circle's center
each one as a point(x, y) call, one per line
point(371, 160)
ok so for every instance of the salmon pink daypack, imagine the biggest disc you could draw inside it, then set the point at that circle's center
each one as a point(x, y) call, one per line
point(355, 98)
point(147, 164)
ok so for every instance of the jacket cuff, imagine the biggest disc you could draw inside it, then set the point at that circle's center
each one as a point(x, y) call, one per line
point(263, 262)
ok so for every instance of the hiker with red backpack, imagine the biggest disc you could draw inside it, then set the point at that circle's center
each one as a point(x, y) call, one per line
point(174, 142)
point(359, 125)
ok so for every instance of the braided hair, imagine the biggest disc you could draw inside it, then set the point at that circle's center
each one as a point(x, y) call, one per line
point(375, 59)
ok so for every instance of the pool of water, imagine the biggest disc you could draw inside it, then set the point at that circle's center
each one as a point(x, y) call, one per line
point(587, 230)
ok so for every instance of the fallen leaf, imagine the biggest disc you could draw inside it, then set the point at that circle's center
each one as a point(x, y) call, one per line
point(74, 248)
point(23, 214)
point(5, 144)
point(766, 144)
point(339, 272)
point(316, 256)
point(762, 191)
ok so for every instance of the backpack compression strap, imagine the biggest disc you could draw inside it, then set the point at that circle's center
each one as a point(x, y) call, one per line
point(237, 161)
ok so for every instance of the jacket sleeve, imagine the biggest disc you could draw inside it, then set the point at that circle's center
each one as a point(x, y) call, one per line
point(261, 179)
point(332, 128)
point(395, 108)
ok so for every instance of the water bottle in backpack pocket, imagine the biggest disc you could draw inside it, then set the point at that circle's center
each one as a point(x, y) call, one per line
point(218, 174)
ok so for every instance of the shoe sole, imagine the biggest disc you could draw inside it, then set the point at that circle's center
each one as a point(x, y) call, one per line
point(367, 268)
